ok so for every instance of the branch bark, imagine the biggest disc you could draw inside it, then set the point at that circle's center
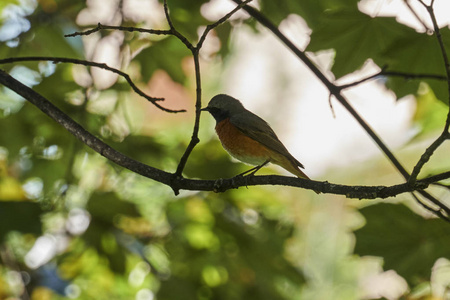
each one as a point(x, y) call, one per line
point(221, 185)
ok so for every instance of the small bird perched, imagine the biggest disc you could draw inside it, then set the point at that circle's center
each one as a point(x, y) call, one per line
point(249, 138)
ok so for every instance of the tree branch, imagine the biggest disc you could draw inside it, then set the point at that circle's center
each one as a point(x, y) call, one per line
point(97, 65)
point(219, 22)
point(175, 32)
point(121, 28)
point(383, 72)
point(221, 185)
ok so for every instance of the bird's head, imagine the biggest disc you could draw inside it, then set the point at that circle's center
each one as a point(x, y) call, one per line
point(223, 106)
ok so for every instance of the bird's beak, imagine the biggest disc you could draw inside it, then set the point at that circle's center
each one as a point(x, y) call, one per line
point(205, 109)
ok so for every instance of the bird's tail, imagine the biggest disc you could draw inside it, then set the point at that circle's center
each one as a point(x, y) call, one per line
point(293, 166)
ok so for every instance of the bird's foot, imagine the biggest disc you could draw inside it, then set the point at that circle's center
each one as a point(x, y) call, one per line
point(252, 171)
point(217, 185)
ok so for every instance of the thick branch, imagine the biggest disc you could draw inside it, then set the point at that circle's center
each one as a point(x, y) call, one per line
point(179, 183)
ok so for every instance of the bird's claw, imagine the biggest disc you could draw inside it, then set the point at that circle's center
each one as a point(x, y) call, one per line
point(217, 185)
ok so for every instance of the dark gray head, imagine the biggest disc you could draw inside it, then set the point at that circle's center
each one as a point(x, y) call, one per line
point(223, 106)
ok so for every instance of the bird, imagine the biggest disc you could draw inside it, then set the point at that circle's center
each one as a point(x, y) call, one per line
point(249, 138)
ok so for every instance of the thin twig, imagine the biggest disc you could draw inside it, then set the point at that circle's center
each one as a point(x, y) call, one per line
point(407, 76)
point(331, 106)
point(220, 21)
point(435, 178)
point(198, 103)
point(426, 157)
point(436, 212)
point(121, 28)
point(175, 32)
point(419, 19)
point(445, 135)
point(97, 65)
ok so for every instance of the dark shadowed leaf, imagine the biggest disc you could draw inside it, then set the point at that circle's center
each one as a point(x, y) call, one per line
point(418, 54)
point(312, 11)
point(22, 216)
point(356, 37)
point(105, 210)
point(408, 243)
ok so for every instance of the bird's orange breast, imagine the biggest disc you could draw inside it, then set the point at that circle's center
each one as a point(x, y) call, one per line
point(241, 146)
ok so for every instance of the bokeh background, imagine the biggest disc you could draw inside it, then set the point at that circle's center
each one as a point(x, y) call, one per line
point(76, 226)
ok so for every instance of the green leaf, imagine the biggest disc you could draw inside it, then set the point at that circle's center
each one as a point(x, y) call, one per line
point(356, 37)
point(21, 216)
point(408, 243)
point(430, 112)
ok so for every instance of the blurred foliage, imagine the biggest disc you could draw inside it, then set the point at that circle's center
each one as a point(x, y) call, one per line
point(73, 225)
point(9, 221)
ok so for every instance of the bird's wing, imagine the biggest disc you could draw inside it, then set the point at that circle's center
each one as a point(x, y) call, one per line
point(258, 129)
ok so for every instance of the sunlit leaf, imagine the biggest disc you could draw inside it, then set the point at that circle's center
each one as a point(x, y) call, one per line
point(430, 112)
